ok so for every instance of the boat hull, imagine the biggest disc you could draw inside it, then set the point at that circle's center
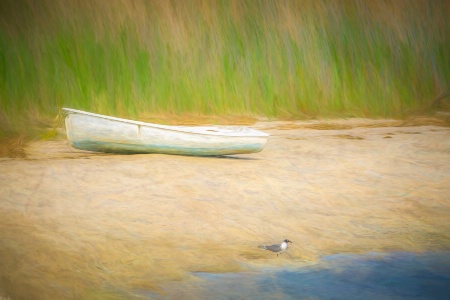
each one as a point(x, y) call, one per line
point(100, 133)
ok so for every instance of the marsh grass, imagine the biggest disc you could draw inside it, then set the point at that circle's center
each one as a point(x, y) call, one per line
point(277, 59)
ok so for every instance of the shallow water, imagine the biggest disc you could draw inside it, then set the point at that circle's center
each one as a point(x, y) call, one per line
point(398, 275)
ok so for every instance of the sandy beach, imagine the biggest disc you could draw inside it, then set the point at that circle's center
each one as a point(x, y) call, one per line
point(77, 224)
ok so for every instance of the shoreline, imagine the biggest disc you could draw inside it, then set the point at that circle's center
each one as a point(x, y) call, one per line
point(73, 222)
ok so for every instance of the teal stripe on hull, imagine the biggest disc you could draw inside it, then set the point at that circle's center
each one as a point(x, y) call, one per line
point(111, 147)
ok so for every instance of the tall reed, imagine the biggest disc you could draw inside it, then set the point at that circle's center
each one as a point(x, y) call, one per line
point(247, 57)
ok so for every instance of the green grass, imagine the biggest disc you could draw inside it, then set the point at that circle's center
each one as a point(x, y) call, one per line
point(273, 58)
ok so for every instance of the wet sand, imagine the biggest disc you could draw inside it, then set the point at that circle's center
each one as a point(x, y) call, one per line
point(76, 224)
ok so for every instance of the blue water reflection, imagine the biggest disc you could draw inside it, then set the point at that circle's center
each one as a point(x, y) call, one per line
point(373, 276)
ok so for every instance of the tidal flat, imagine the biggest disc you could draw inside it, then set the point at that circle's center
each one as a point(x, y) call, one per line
point(84, 225)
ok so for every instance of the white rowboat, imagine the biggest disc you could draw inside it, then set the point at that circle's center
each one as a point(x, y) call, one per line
point(94, 132)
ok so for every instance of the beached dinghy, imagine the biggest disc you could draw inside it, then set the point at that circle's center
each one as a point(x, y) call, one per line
point(94, 132)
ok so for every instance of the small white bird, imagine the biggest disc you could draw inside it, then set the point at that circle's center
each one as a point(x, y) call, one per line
point(277, 248)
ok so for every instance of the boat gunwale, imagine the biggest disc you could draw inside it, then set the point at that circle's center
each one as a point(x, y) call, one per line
point(253, 132)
